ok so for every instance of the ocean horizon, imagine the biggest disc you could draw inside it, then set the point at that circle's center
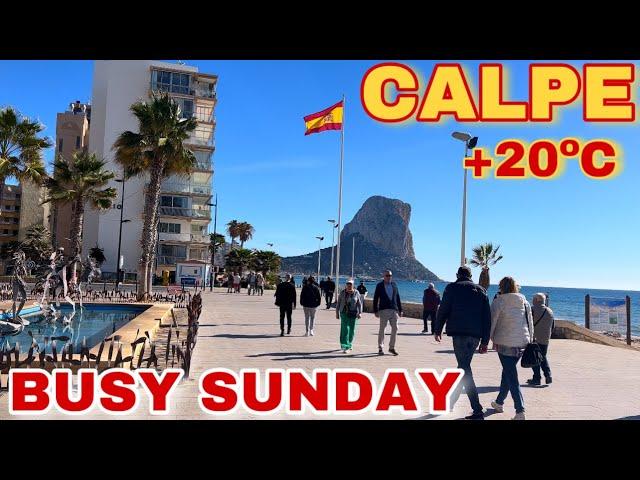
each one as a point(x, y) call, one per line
point(567, 303)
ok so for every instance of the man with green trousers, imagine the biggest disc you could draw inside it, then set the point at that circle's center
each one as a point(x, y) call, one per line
point(348, 311)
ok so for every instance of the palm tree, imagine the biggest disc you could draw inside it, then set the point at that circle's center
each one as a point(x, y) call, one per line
point(233, 230)
point(158, 150)
point(80, 180)
point(245, 232)
point(485, 256)
point(265, 261)
point(239, 258)
point(21, 148)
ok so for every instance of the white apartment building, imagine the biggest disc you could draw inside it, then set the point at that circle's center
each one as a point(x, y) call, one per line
point(186, 201)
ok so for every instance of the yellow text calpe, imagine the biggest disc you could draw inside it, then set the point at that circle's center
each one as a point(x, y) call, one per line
point(391, 92)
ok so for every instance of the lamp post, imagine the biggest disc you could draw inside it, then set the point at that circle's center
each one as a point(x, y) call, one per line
point(469, 142)
point(213, 254)
point(319, 249)
point(121, 206)
point(333, 232)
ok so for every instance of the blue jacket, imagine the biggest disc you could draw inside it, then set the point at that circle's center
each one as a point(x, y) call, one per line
point(382, 302)
point(465, 310)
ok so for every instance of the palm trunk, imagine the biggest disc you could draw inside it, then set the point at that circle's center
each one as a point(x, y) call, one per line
point(76, 233)
point(149, 230)
point(484, 279)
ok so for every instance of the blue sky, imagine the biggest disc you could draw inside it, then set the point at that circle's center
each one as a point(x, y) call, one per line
point(571, 231)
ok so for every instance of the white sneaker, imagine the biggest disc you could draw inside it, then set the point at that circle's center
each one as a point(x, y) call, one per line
point(345, 350)
point(306, 334)
point(519, 416)
point(497, 407)
point(312, 333)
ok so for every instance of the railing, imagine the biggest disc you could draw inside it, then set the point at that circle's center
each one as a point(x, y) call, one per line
point(200, 238)
point(176, 237)
point(169, 260)
point(208, 142)
point(206, 165)
point(166, 87)
point(185, 212)
point(205, 93)
point(205, 117)
point(197, 188)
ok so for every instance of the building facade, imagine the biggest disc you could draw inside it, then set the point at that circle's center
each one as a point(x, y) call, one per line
point(72, 135)
point(185, 205)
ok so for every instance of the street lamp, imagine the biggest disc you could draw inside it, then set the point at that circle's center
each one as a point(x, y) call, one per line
point(213, 254)
point(469, 142)
point(333, 231)
point(121, 207)
point(319, 249)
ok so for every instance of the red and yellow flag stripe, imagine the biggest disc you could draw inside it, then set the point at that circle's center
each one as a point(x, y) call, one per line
point(328, 119)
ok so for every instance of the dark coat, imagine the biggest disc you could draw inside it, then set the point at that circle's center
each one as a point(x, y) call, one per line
point(329, 286)
point(310, 296)
point(285, 294)
point(382, 302)
point(430, 300)
point(465, 310)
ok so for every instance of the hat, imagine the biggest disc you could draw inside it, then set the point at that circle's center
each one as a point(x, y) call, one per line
point(464, 272)
point(350, 280)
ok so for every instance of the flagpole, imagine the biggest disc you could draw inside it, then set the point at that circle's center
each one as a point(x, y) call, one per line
point(340, 196)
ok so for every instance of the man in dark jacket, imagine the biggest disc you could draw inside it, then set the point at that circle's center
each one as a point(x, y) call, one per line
point(310, 299)
point(329, 288)
point(387, 307)
point(286, 300)
point(430, 302)
point(466, 312)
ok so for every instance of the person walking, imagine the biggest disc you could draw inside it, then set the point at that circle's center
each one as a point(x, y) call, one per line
point(310, 299)
point(430, 302)
point(286, 300)
point(230, 282)
point(543, 324)
point(329, 289)
point(236, 282)
point(362, 290)
point(466, 312)
point(251, 283)
point(511, 331)
point(260, 283)
point(387, 307)
point(348, 311)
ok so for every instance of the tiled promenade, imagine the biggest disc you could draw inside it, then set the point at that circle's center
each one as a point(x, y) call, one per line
point(239, 331)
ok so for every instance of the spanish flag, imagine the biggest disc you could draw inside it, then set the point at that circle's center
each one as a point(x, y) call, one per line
point(328, 119)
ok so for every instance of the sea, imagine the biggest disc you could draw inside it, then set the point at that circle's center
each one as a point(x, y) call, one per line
point(566, 303)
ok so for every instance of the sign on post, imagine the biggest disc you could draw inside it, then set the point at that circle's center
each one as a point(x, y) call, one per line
point(611, 315)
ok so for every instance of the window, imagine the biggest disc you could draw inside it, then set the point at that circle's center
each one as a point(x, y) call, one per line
point(16, 220)
point(15, 232)
point(16, 208)
point(60, 145)
point(170, 82)
point(169, 227)
point(168, 201)
point(186, 107)
point(18, 195)
point(177, 251)
point(5, 231)
point(78, 141)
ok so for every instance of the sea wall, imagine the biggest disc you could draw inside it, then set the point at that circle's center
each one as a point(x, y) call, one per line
point(564, 329)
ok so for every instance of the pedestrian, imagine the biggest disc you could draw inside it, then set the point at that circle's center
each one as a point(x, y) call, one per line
point(362, 290)
point(543, 324)
point(348, 311)
point(466, 312)
point(329, 289)
point(236, 282)
point(251, 283)
point(260, 283)
point(511, 331)
point(387, 307)
point(430, 302)
point(310, 299)
point(293, 280)
point(286, 300)
point(230, 282)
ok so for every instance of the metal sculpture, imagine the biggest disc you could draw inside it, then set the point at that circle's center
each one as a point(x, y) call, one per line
point(15, 324)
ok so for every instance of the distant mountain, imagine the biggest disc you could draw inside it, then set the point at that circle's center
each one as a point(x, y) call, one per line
point(382, 241)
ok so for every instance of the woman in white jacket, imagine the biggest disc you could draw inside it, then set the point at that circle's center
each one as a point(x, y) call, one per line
point(511, 331)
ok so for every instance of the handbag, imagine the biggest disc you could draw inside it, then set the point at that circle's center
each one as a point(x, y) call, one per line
point(532, 355)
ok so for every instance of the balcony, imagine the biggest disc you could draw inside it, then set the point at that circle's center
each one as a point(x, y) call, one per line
point(204, 165)
point(193, 188)
point(193, 213)
point(202, 140)
point(197, 238)
point(172, 88)
point(167, 260)
point(175, 237)
point(203, 91)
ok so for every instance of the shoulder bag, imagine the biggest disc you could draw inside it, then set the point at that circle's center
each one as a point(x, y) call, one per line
point(532, 355)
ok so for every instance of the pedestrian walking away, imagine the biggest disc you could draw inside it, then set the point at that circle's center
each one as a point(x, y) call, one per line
point(236, 282)
point(251, 283)
point(310, 299)
point(348, 311)
point(466, 312)
point(387, 307)
point(329, 289)
point(230, 283)
point(543, 324)
point(430, 303)
point(286, 300)
point(511, 331)
point(260, 283)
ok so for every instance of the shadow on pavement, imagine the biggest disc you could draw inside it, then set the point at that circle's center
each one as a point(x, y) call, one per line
point(285, 354)
point(240, 335)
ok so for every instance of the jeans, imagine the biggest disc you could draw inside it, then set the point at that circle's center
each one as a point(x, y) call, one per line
point(309, 317)
point(464, 347)
point(388, 316)
point(544, 365)
point(285, 310)
point(425, 318)
point(509, 382)
point(347, 331)
point(328, 296)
